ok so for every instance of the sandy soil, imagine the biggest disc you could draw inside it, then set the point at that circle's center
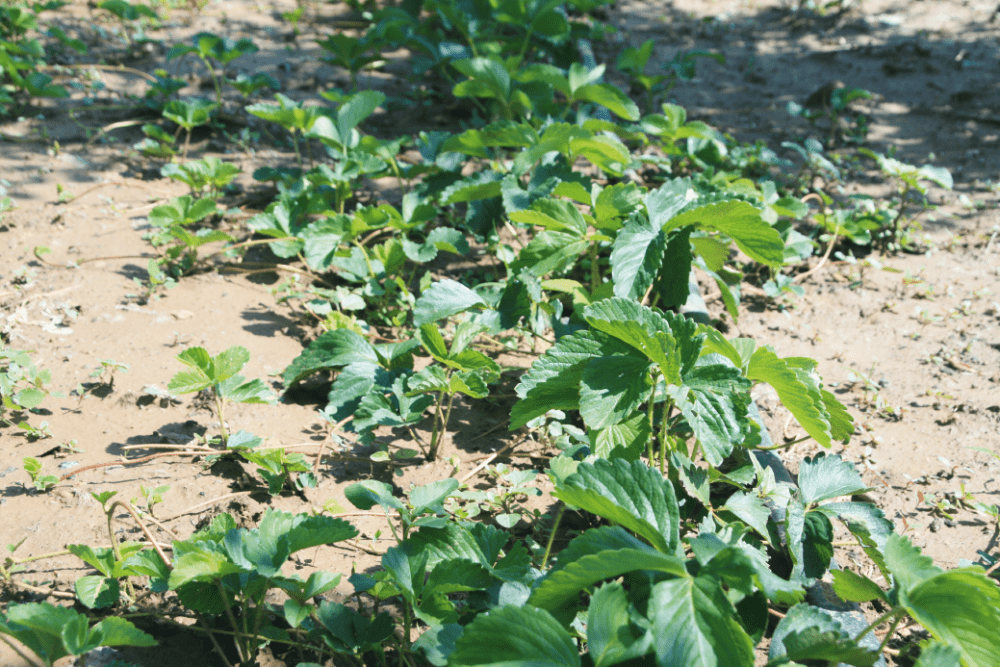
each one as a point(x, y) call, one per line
point(912, 341)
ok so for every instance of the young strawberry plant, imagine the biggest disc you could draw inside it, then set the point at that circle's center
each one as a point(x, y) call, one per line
point(225, 572)
point(52, 632)
point(211, 48)
point(219, 375)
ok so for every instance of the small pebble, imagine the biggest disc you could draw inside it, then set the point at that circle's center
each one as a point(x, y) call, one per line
point(66, 465)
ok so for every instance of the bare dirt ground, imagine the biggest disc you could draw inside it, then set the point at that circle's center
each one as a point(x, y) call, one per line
point(911, 341)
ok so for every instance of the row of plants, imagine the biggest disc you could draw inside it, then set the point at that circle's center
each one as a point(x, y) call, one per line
point(593, 220)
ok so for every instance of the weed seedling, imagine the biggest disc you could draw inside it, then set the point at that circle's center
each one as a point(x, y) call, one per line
point(105, 376)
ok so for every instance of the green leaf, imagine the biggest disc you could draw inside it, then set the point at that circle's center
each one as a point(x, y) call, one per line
point(961, 608)
point(714, 400)
point(800, 390)
point(302, 531)
point(458, 576)
point(333, 349)
point(255, 391)
point(611, 636)
point(607, 153)
point(76, 638)
point(667, 339)
point(114, 631)
point(625, 440)
point(511, 635)
point(908, 566)
point(749, 509)
point(189, 113)
point(615, 202)
point(636, 258)
point(855, 587)
point(229, 363)
point(561, 586)
point(609, 97)
point(828, 476)
point(549, 252)
point(674, 277)
point(694, 624)
point(203, 563)
point(553, 214)
point(828, 646)
point(633, 495)
point(939, 175)
point(597, 540)
point(430, 497)
point(487, 78)
point(38, 625)
point(553, 382)
point(444, 299)
point(295, 612)
point(366, 494)
point(816, 545)
point(102, 560)
point(810, 631)
point(939, 655)
point(347, 631)
point(97, 592)
point(865, 521)
point(481, 185)
point(742, 222)
point(355, 109)
point(612, 388)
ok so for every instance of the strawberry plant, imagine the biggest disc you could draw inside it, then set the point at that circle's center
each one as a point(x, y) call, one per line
point(219, 375)
point(226, 572)
point(41, 482)
point(909, 180)
point(211, 48)
point(131, 16)
point(52, 632)
point(208, 176)
point(189, 114)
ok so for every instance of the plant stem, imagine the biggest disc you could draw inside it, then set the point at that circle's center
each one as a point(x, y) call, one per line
point(211, 636)
point(890, 633)
point(651, 408)
point(595, 274)
point(109, 513)
point(223, 434)
point(295, 145)
point(232, 620)
point(432, 454)
point(552, 535)
point(895, 612)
